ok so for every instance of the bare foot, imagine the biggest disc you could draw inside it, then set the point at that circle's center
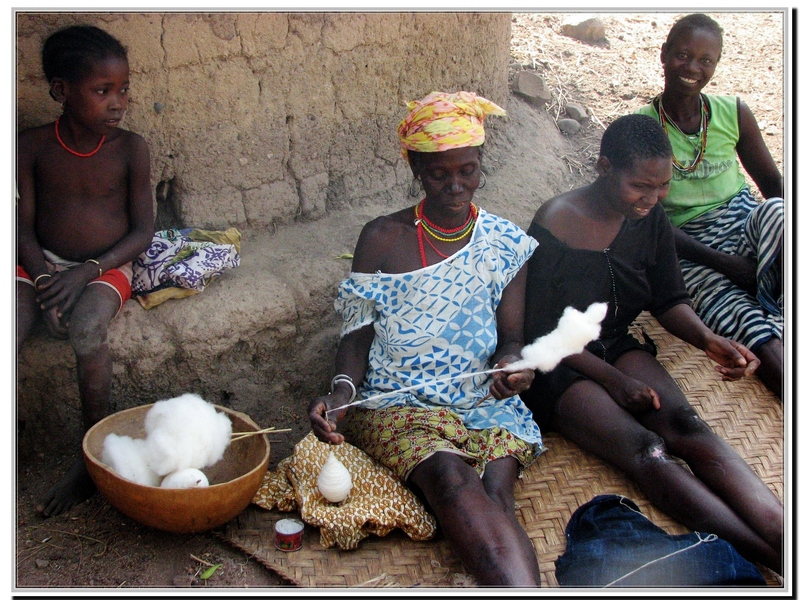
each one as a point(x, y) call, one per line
point(75, 487)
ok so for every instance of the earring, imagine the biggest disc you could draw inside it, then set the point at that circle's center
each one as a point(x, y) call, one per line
point(482, 182)
point(415, 187)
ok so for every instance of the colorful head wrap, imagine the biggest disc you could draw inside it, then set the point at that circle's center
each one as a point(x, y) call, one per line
point(443, 121)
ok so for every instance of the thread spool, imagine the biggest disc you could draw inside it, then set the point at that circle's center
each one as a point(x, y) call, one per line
point(289, 535)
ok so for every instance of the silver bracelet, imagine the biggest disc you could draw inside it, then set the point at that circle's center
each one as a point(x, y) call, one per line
point(349, 381)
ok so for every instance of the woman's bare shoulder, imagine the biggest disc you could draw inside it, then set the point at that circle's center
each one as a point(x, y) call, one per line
point(380, 238)
point(387, 225)
point(559, 211)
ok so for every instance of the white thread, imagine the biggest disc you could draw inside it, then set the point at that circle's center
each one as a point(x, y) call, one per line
point(710, 538)
point(575, 329)
point(413, 387)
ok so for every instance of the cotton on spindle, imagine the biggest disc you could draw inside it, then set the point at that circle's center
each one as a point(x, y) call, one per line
point(185, 479)
point(334, 481)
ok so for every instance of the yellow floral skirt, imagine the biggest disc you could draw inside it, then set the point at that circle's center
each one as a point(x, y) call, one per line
point(401, 437)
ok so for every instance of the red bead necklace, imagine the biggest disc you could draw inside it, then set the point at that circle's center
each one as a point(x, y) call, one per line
point(456, 231)
point(420, 237)
point(424, 224)
point(70, 150)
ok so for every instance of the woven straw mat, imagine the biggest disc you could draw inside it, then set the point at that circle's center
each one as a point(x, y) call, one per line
point(744, 412)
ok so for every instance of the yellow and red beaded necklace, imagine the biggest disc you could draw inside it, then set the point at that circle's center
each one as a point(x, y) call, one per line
point(425, 225)
point(70, 150)
point(700, 152)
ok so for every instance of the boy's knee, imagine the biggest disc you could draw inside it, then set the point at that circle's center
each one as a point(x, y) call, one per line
point(87, 334)
point(89, 321)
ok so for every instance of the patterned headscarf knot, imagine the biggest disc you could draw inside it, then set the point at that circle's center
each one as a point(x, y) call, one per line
point(442, 121)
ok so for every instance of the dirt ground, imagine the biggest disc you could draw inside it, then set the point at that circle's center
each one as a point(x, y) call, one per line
point(94, 546)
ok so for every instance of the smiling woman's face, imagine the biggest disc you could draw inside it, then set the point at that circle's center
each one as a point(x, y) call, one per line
point(635, 190)
point(690, 61)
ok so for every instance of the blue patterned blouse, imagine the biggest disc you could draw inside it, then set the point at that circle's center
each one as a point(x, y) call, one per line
point(438, 322)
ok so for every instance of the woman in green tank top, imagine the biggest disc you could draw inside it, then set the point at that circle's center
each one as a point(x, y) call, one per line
point(731, 249)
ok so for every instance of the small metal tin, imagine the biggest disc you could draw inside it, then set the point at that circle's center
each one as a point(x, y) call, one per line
point(289, 535)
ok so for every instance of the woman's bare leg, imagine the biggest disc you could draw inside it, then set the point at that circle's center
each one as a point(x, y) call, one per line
point(711, 458)
point(588, 416)
point(479, 520)
point(499, 479)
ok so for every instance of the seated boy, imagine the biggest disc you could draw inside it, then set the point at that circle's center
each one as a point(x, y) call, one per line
point(85, 211)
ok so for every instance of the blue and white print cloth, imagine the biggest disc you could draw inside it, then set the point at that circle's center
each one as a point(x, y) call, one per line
point(438, 322)
point(174, 259)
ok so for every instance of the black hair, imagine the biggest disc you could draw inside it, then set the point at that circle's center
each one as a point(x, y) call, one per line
point(634, 137)
point(70, 53)
point(415, 157)
point(690, 23)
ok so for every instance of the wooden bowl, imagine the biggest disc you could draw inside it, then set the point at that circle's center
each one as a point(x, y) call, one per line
point(233, 481)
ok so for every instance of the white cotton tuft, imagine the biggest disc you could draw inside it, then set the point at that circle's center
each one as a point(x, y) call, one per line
point(128, 457)
point(575, 329)
point(187, 478)
point(185, 432)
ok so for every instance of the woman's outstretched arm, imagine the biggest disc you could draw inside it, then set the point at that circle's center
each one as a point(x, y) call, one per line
point(741, 270)
point(734, 360)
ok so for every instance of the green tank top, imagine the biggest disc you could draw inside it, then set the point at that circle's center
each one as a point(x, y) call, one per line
point(717, 178)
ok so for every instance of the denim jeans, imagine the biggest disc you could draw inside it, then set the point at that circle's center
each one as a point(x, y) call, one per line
point(611, 543)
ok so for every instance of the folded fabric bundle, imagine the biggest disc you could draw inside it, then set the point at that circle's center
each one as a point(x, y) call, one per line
point(378, 502)
point(610, 543)
point(182, 262)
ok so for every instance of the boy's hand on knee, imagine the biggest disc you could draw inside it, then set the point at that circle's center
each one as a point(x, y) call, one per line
point(63, 290)
point(57, 327)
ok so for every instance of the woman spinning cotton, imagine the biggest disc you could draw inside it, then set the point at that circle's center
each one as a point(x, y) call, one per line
point(436, 290)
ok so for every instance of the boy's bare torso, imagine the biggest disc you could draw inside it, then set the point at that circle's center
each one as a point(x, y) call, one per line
point(78, 216)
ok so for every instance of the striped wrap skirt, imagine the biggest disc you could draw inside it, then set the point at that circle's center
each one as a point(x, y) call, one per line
point(749, 228)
